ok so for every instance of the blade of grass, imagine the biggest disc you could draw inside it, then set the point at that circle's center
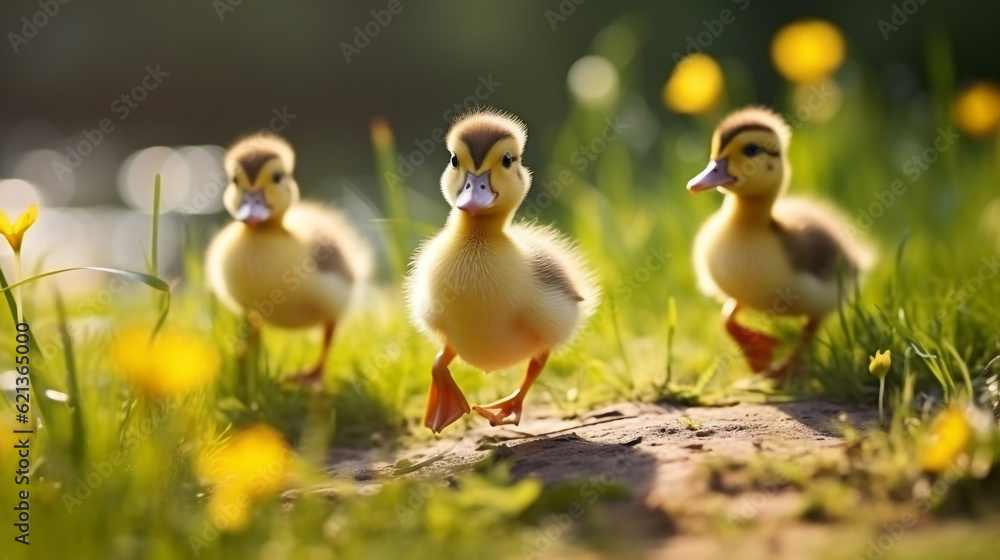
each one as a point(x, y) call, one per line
point(154, 256)
point(154, 263)
point(616, 325)
point(393, 191)
point(151, 281)
point(78, 443)
point(962, 366)
point(9, 295)
point(671, 327)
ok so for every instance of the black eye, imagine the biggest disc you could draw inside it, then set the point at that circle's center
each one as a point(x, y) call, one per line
point(507, 160)
point(276, 178)
point(454, 161)
point(751, 149)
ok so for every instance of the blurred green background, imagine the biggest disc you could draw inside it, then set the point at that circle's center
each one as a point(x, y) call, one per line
point(227, 74)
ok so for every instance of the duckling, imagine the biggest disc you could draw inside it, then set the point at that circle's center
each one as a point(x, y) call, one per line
point(493, 292)
point(289, 263)
point(765, 251)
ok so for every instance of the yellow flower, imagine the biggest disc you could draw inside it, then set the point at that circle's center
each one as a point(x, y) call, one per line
point(976, 111)
point(880, 363)
point(949, 439)
point(808, 51)
point(177, 362)
point(695, 86)
point(15, 233)
point(248, 466)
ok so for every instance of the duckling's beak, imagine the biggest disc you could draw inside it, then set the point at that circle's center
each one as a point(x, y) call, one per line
point(254, 209)
point(715, 175)
point(476, 195)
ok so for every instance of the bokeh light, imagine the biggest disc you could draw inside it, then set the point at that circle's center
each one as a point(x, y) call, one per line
point(130, 234)
point(36, 167)
point(207, 178)
point(695, 86)
point(816, 102)
point(593, 80)
point(137, 173)
point(808, 51)
point(16, 195)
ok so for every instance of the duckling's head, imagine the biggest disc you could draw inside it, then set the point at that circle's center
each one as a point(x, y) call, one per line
point(484, 176)
point(261, 188)
point(749, 155)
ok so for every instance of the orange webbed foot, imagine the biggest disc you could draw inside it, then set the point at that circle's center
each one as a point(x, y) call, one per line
point(445, 403)
point(508, 410)
point(309, 377)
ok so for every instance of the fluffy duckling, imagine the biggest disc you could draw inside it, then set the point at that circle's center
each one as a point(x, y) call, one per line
point(288, 263)
point(485, 289)
point(761, 250)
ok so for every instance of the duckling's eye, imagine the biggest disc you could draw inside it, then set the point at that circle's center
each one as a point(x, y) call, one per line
point(276, 178)
point(751, 149)
point(507, 160)
point(454, 161)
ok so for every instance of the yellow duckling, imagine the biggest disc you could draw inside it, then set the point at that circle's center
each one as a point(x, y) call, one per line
point(760, 250)
point(489, 291)
point(289, 263)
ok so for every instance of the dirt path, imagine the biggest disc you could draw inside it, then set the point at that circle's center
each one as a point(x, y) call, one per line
point(658, 452)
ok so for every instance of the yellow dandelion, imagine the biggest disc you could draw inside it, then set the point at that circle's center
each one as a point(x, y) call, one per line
point(808, 51)
point(976, 110)
point(252, 464)
point(176, 362)
point(880, 363)
point(948, 440)
point(15, 233)
point(879, 366)
point(695, 86)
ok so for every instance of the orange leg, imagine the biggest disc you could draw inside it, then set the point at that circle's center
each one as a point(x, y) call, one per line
point(508, 409)
point(757, 347)
point(314, 375)
point(446, 403)
point(793, 365)
point(252, 341)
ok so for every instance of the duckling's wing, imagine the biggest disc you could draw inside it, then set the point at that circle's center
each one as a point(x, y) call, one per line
point(557, 264)
point(549, 273)
point(816, 239)
point(335, 244)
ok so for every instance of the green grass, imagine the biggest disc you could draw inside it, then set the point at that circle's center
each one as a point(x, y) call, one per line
point(654, 338)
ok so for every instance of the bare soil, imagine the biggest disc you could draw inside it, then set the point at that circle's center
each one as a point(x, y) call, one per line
point(660, 453)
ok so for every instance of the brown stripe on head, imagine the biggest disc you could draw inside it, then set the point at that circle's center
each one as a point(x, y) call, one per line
point(751, 118)
point(480, 130)
point(253, 161)
point(252, 152)
point(480, 137)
